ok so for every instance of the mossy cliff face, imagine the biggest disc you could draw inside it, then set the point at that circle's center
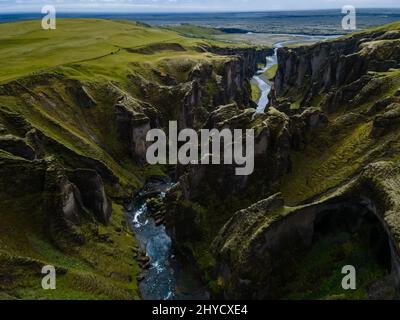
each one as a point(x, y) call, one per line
point(47, 219)
point(207, 196)
point(333, 118)
point(73, 143)
point(336, 69)
point(195, 88)
point(72, 148)
point(259, 242)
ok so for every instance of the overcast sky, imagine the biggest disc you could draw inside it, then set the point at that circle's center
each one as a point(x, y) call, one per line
point(189, 5)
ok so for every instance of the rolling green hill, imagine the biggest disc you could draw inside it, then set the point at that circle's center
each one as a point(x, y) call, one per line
point(71, 101)
point(85, 45)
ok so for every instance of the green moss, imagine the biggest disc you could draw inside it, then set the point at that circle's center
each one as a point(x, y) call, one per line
point(96, 270)
point(270, 73)
point(326, 163)
point(338, 151)
point(323, 265)
point(255, 91)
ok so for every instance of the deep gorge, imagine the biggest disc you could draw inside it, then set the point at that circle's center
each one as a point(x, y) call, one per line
point(324, 192)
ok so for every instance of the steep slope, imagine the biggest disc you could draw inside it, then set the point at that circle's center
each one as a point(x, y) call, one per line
point(355, 82)
point(339, 102)
point(75, 106)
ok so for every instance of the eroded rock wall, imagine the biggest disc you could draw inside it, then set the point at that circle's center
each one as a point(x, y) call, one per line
point(323, 68)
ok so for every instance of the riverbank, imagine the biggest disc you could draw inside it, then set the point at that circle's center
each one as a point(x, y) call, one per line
point(167, 276)
point(263, 83)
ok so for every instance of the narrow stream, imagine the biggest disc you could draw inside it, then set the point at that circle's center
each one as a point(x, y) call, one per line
point(263, 84)
point(169, 277)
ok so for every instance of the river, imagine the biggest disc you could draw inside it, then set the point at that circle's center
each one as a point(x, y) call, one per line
point(263, 84)
point(169, 276)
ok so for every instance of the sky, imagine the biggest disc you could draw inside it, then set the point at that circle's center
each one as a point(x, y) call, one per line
point(136, 6)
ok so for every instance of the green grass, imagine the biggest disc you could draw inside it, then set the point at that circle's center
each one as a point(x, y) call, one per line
point(82, 272)
point(395, 26)
point(109, 52)
point(338, 151)
point(270, 73)
point(255, 91)
point(38, 69)
point(34, 49)
point(101, 43)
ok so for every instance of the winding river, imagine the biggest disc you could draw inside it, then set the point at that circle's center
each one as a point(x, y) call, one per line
point(169, 277)
point(263, 84)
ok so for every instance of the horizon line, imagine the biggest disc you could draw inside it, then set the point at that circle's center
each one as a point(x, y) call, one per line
point(73, 11)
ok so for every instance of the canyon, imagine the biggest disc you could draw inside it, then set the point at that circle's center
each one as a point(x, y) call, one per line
point(75, 184)
point(205, 147)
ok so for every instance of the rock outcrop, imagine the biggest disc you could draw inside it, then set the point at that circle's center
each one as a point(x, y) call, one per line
point(198, 203)
point(250, 57)
point(68, 146)
point(208, 85)
point(17, 146)
point(334, 109)
point(306, 72)
point(132, 129)
point(267, 232)
point(92, 192)
point(73, 137)
point(387, 120)
point(81, 95)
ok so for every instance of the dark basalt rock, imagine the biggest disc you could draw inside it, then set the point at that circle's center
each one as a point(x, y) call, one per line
point(37, 140)
point(380, 105)
point(92, 192)
point(14, 121)
point(305, 72)
point(134, 119)
point(250, 56)
point(17, 146)
point(344, 94)
point(20, 176)
point(64, 207)
point(301, 125)
point(384, 122)
point(267, 232)
point(383, 290)
point(81, 96)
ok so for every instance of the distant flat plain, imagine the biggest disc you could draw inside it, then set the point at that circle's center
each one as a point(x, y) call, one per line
point(311, 22)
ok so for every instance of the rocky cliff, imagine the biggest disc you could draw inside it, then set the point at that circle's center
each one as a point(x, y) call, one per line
point(356, 80)
point(331, 121)
point(323, 193)
point(336, 70)
point(270, 235)
point(73, 146)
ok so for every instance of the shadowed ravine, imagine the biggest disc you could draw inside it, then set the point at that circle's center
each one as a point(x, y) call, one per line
point(168, 277)
point(265, 85)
